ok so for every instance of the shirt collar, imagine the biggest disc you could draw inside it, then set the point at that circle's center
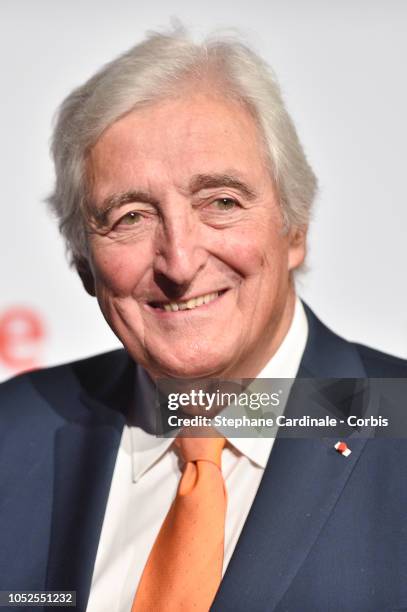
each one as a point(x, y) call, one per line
point(284, 364)
point(147, 449)
point(286, 361)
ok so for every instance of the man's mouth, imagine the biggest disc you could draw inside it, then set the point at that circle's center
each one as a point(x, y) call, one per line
point(190, 304)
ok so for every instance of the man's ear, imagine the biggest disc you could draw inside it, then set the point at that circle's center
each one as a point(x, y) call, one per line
point(83, 268)
point(297, 246)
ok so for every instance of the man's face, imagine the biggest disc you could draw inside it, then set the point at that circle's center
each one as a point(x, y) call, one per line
point(190, 260)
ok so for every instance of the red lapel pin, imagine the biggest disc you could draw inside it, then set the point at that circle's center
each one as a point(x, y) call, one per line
point(343, 449)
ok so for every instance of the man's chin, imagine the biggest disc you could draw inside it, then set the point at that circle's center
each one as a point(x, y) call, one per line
point(186, 367)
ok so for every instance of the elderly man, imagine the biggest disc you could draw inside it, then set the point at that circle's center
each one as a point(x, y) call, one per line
point(184, 195)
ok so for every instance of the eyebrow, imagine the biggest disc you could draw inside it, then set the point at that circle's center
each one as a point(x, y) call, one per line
point(213, 181)
point(101, 213)
point(198, 183)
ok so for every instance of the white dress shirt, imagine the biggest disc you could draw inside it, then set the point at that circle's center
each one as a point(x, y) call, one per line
point(145, 481)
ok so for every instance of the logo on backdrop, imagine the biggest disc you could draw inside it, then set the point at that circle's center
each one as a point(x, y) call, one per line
point(22, 336)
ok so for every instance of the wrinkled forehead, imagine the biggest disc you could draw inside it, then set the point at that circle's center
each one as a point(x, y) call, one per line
point(176, 139)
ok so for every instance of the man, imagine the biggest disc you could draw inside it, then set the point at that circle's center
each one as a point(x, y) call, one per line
point(184, 195)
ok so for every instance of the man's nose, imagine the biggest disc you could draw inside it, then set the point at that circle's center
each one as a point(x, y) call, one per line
point(179, 252)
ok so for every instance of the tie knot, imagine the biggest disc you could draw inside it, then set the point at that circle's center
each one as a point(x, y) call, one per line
point(201, 449)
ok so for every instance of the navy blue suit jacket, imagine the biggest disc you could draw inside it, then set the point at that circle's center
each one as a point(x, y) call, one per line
point(324, 534)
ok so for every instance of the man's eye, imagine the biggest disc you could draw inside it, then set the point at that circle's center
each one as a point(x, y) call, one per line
point(130, 219)
point(225, 204)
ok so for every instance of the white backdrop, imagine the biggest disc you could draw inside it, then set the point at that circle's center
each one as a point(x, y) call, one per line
point(342, 71)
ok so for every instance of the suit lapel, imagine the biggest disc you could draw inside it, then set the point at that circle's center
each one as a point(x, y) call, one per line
point(85, 452)
point(84, 463)
point(300, 487)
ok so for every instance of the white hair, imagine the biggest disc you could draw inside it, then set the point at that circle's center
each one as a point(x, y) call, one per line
point(158, 68)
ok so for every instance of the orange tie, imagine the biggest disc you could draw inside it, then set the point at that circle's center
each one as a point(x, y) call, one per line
point(184, 569)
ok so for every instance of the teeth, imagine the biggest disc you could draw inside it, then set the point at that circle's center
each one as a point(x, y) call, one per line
point(190, 304)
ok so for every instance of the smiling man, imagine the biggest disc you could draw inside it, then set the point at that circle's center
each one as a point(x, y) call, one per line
point(184, 197)
point(189, 254)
